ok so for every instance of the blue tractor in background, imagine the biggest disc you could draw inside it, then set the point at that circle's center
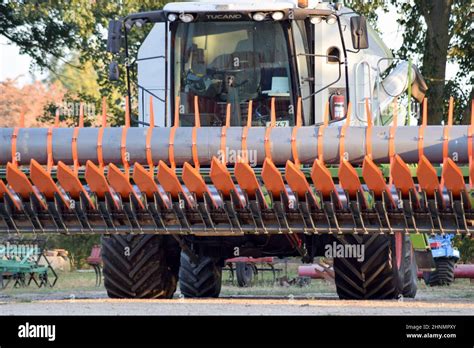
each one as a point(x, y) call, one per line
point(445, 257)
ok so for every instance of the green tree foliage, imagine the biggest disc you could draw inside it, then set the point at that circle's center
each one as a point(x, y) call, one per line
point(79, 247)
point(81, 81)
point(39, 29)
point(369, 10)
point(63, 36)
point(466, 248)
point(445, 34)
point(80, 77)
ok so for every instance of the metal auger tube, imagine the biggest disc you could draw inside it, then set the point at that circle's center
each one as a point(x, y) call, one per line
point(32, 143)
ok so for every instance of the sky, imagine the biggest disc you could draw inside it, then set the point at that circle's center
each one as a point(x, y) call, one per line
point(14, 65)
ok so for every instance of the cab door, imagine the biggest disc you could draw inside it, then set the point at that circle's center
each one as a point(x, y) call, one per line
point(153, 76)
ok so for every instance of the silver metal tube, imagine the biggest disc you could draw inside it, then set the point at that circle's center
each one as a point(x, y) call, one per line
point(31, 143)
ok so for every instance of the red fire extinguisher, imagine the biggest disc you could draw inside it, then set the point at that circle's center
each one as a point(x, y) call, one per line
point(337, 103)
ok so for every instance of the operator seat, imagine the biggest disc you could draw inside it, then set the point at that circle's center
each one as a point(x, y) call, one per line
point(246, 73)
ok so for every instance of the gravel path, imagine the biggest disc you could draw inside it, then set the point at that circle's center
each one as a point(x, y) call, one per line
point(234, 306)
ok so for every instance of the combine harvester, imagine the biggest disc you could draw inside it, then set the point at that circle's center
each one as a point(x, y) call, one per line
point(249, 148)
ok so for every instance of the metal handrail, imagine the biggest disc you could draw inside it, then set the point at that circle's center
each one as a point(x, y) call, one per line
point(356, 95)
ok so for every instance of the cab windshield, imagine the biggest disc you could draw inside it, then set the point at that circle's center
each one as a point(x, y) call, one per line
point(232, 62)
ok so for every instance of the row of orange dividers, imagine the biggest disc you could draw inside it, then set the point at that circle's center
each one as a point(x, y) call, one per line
point(117, 181)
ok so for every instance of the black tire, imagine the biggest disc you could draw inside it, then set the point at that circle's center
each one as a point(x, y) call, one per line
point(139, 267)
point(410, 286)
point(245, 273)
point(377, 276)
point(200, 280)
point(444, 273)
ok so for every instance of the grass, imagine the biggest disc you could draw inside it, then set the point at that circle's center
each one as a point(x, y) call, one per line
point(461, 289)
point(67, 281)
point(265, 286)
point(75, 282)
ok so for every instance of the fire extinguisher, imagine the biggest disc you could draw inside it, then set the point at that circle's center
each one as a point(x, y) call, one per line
point(337, 106)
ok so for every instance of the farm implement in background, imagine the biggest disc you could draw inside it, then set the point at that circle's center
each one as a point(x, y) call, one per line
point(20, 264)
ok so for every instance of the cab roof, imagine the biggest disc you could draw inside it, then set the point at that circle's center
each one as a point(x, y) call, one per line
point(230, 6)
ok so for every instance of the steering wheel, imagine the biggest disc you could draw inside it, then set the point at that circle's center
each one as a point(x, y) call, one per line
point(262, 112)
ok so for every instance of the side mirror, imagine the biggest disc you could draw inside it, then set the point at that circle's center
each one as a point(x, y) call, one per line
point(114, 74)
point(359, 32)
point(115, 36)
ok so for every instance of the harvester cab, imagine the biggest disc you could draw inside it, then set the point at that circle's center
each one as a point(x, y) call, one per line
point(230, 54)
point(264, 131)
point(225, 53)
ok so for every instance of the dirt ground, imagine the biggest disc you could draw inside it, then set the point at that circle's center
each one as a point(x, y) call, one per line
point(75, 294)
point(226, 306)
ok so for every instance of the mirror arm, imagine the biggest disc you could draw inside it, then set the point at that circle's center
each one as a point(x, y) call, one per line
point(127, 67)
point(328, 85)
point(346, 63)
point(351, 51)
point(137, 121)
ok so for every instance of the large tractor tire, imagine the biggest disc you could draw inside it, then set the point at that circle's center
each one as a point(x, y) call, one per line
point(381, 275)
point(444, 273)
point(410, 270)
point(139, 266)
point(245, 273)
point(201, 279)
